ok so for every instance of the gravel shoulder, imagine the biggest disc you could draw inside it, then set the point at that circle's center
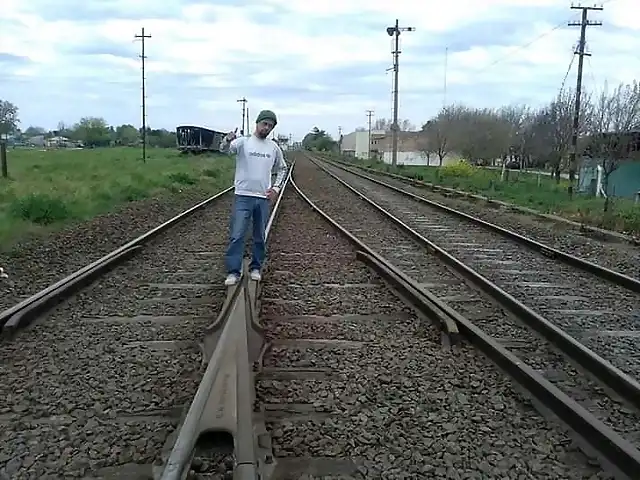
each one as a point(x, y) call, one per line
point(356, 386)
point(620, 256)
point(41, 261)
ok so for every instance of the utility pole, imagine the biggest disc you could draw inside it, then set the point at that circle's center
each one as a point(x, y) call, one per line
point(583, 24)
point(3, 158)
point(339, 140)
point(142, 36)
point(395, 31)
point(243, 101)
point(369, 115)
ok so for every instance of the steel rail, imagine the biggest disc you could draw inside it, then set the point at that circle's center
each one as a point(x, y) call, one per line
point(612, 276)
point(610, 447)
point(594, 231)
point(621, 383)
point(25, 311)
point(224, 398)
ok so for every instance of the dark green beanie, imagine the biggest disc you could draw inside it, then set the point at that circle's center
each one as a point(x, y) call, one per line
point(267, 115)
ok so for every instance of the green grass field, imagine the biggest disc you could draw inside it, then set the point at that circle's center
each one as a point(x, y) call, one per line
point(539, 192)
point(49, 189)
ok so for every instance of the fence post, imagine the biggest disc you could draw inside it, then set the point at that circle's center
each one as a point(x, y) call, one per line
point(3, 159)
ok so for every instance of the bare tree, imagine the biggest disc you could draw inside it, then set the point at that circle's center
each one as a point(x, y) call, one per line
point(425, 145)
point(552, 130)
point(385, 124)
point(613, 128)
point(515, 122)
point(438, 130)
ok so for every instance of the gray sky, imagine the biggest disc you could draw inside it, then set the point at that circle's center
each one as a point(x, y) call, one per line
point(314, 63)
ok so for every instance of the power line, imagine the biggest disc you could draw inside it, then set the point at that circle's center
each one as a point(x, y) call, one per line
point(593, 77)
point(369, 115)
point(534, 40)
point(566, 75)
point(142, 36)
point(521, 47)
point(583, 24)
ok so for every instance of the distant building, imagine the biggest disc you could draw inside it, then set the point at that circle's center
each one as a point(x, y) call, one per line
point(37, 140)
point(411, 146)
point(624, 181)
point(60, 142)
point(356, 144)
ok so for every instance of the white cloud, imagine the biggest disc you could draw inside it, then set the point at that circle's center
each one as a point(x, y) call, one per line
point(314, 63)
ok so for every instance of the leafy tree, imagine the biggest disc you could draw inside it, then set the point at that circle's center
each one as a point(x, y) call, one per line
point(126, 135)
point(92, 132)
point(319, 140)
point(33, 131)
point(9, 120)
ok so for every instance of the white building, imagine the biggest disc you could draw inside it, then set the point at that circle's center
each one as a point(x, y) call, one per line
point(410, 147)
point(357, 143)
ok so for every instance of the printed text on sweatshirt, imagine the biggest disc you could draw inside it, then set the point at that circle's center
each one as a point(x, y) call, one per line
point(256, 159)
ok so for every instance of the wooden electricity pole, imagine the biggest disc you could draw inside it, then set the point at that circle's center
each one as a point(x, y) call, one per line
point(243, 101)
point(142, 37)
point(369, 115)
point(583, 24)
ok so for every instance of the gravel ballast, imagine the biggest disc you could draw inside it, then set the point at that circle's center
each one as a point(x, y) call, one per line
point(93, 389)
point(576, 301)
point(404, 252)
point(616, 255)
point(37, 263)
point(356, 386)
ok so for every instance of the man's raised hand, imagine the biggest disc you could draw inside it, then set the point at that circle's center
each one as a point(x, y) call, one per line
point(231, 135)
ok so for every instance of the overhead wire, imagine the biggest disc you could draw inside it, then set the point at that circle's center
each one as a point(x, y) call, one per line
point(530, 42)
point(566, 75)
point(596, 88)
point(521, 47)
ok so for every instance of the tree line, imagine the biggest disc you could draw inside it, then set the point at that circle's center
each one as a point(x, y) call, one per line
point(608, 131)
point(319, 140)
point(88, 132)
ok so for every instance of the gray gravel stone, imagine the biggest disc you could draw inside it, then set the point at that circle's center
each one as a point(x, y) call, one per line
point(355, 386)
point(99, 383)
point(411, 257)
point(572, 299)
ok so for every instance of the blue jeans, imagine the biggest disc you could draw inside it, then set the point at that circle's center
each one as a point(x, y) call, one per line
point(244, 209)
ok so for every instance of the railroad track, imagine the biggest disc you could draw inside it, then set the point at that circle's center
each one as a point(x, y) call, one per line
point(598, 306)
point(93, 383)
point(617, 409)
point(355, 385)
point(349, 381)
point(589, 241)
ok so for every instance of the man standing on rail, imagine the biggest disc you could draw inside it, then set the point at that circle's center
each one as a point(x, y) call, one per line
point(256, 157)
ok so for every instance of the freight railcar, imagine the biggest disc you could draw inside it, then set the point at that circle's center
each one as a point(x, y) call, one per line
point(193, 139)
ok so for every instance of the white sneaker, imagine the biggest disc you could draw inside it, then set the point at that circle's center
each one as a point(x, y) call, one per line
point(255, 275)
point(232, 279)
